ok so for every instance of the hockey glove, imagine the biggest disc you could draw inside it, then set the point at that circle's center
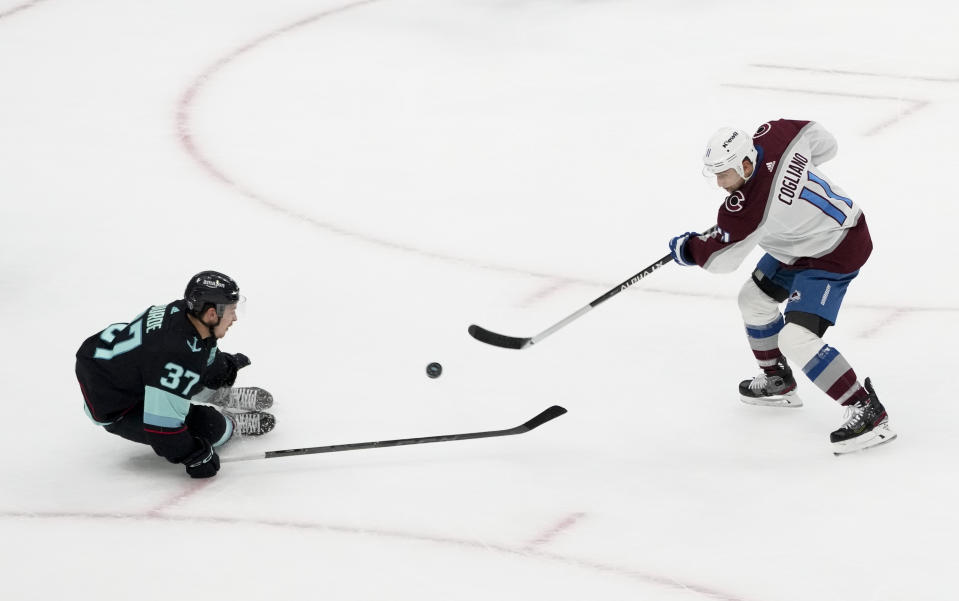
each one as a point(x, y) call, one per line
point(225, 368)
point(677, 248)
point(203, 462)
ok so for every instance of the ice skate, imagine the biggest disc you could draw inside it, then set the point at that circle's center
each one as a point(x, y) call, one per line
point(775, 388)
point(252, 423)
point(867, 425)
point(242, 399)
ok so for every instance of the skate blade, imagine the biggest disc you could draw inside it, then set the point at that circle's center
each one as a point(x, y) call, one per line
point(790, 399)
point(879, 435)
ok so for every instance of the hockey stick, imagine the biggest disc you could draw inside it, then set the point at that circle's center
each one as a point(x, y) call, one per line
point(551, 413)
point(484, 335)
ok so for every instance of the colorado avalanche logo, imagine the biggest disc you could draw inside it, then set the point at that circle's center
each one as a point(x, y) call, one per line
point(762, 131)
point(735, 201)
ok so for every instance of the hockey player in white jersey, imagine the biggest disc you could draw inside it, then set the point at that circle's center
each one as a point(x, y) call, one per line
point(816, 240)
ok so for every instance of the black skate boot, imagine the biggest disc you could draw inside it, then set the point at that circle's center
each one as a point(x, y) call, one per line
point(772, 388)
point(252, 423)
point(242, 399)
point(867, 425)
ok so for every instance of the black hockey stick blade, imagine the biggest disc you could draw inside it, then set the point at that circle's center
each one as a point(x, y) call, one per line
point(551, 413)
point(484, 335)
point(494, 339)
point(544, 416)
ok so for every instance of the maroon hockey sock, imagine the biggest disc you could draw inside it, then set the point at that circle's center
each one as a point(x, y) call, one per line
point(763, 341)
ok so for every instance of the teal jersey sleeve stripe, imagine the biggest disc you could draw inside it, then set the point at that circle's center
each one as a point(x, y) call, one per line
point(226, 434)
point(164, 409)
point(159, 421)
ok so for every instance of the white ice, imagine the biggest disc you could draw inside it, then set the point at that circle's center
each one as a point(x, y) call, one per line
point(378, 175)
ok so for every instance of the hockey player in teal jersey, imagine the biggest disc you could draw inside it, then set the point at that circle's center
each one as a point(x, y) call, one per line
point(138, 378)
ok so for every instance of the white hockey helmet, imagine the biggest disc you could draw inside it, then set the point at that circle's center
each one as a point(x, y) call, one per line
point(726, 150)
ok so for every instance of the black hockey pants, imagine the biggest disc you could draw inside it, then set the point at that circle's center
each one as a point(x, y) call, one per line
point(201, 421)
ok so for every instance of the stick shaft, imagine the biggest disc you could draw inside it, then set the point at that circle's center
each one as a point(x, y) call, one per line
point(633, 280)
point(543, 417)
point(601, 299)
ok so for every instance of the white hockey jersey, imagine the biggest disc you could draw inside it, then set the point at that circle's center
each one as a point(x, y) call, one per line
point(789, 207)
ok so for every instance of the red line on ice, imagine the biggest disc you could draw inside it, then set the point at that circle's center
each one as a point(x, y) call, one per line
point(549, 534)
point(605, 568)
point(189, 143)
point(194, 487)
point(912, 104)
point(19, 8)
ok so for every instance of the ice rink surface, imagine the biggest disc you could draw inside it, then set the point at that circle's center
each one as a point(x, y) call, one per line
point(379, 174)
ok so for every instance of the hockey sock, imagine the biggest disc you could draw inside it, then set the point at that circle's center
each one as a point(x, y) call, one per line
point(830, 371)
point(764, 342)
point(823, 365)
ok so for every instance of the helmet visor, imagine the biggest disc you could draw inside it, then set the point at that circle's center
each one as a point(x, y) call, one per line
point(235, 310)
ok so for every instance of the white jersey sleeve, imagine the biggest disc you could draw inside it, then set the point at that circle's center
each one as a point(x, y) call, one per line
point(730, 257)
point(822, 144)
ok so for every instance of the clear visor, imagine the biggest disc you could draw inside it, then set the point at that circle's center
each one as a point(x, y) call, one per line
point(234, 310)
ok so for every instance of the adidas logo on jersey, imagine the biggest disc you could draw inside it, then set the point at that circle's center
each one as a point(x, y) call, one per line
point(771, 165)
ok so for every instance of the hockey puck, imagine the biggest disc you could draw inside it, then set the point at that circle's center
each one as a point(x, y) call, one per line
point(434, 370)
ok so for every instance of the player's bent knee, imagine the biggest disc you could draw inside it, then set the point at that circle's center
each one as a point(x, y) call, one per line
point(798, 344)
point(756, 306)
point(209, 423)
point(812, 322)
